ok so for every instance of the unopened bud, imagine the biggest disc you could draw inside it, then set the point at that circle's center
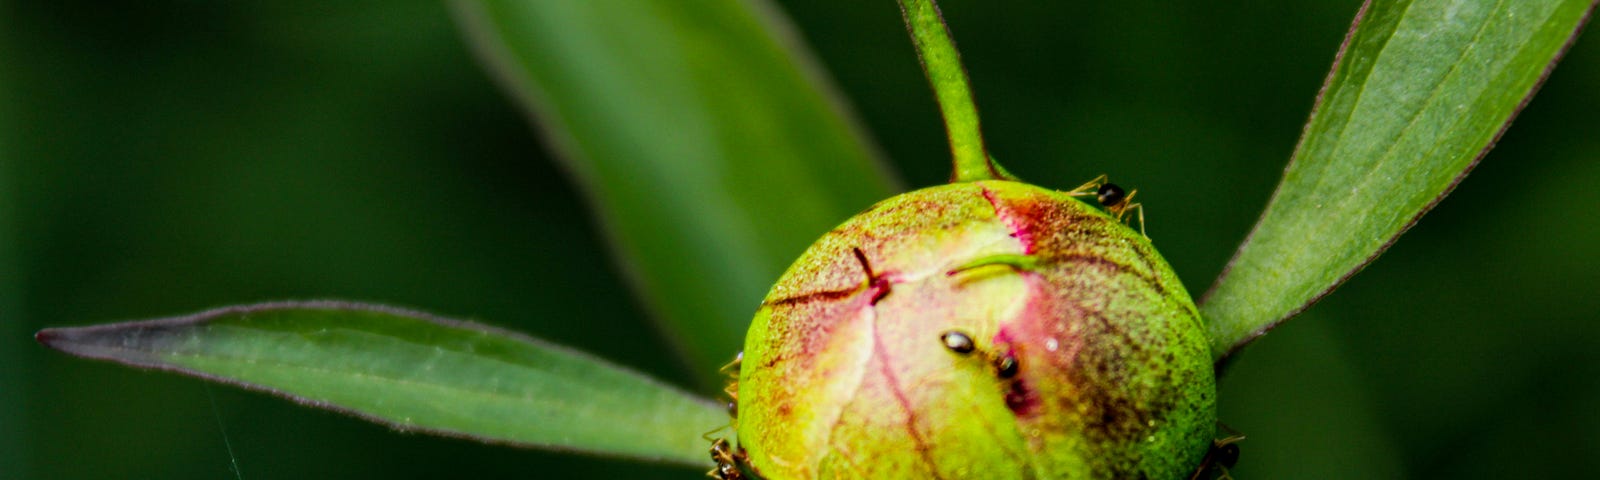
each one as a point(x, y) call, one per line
point(977, 330)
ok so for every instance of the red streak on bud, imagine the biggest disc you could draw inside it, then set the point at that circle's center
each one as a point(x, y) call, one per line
point(1019, 229)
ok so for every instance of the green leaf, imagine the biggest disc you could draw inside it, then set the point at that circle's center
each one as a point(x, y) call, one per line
point(706, 139)
point(1418, 94)
point(414, 371)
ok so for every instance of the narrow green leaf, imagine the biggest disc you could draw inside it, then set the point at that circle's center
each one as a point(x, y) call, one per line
point(942, 63)
point(707, 141)
point(1418, 94)
point(414, 371)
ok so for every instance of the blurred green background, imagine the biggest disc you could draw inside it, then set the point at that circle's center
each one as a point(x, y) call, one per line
point(163, 157)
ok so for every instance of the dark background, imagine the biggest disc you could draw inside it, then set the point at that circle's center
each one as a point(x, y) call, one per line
point(163, 157)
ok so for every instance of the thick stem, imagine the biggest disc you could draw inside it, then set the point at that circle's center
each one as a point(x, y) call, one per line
point(942, 64)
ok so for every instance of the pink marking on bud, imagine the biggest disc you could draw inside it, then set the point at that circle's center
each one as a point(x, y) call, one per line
point(1019, 227)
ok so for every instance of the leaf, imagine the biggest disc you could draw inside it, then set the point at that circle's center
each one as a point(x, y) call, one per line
point(1418, 94)
point(705, 137)
point(414, 371)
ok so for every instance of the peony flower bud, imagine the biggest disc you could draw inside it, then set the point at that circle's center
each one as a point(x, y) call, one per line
point(988, 329)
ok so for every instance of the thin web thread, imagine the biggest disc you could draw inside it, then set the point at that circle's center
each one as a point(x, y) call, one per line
point(217, 413)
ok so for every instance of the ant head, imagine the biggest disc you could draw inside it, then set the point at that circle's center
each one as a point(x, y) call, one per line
point(958, 342)
point(1110, 194)
point(1228, 455)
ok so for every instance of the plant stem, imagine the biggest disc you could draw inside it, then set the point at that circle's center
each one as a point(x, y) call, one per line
point(942, 63)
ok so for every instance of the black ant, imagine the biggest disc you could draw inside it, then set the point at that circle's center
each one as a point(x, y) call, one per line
point(960, 343)
point(730, 461)
point(1116, 201)
point(1223, 455)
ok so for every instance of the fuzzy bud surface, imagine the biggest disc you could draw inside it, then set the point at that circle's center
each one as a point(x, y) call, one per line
point(1083, 355)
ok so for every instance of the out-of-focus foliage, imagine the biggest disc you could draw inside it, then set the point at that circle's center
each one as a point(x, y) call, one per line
point(707, 151)
point(165, 157)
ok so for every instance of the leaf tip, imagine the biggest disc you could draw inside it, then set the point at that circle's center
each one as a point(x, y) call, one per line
point(48, 337)
point(69, 340)
point(115, 342)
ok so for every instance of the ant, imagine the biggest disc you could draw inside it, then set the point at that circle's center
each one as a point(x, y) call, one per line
point(730, 461)
point(959, 342)
point(1224, 454)
point(1111, 196)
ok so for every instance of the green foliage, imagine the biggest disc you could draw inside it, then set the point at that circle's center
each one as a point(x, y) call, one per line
point(414, 371)
point(180, 154)
point(1418, 95)
point(709, 148)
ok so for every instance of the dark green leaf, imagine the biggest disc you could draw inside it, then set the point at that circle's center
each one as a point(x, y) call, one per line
point(1418, 94)
point(414, 371)
point(707, 141)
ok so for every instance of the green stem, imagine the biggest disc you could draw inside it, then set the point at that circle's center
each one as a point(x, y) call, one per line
point(942, 64)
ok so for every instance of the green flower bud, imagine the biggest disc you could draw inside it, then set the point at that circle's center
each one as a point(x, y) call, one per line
point(988, 329)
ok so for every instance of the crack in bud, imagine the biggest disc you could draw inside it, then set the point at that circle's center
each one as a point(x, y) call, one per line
point(877, 284)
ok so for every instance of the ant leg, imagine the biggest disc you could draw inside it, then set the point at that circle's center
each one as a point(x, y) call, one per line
point(1140, 208)
point(733, 365)
point(1126, 205)
point(1233, 435)
point(731, 370)
point(708, 434)
point(1088, 188)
